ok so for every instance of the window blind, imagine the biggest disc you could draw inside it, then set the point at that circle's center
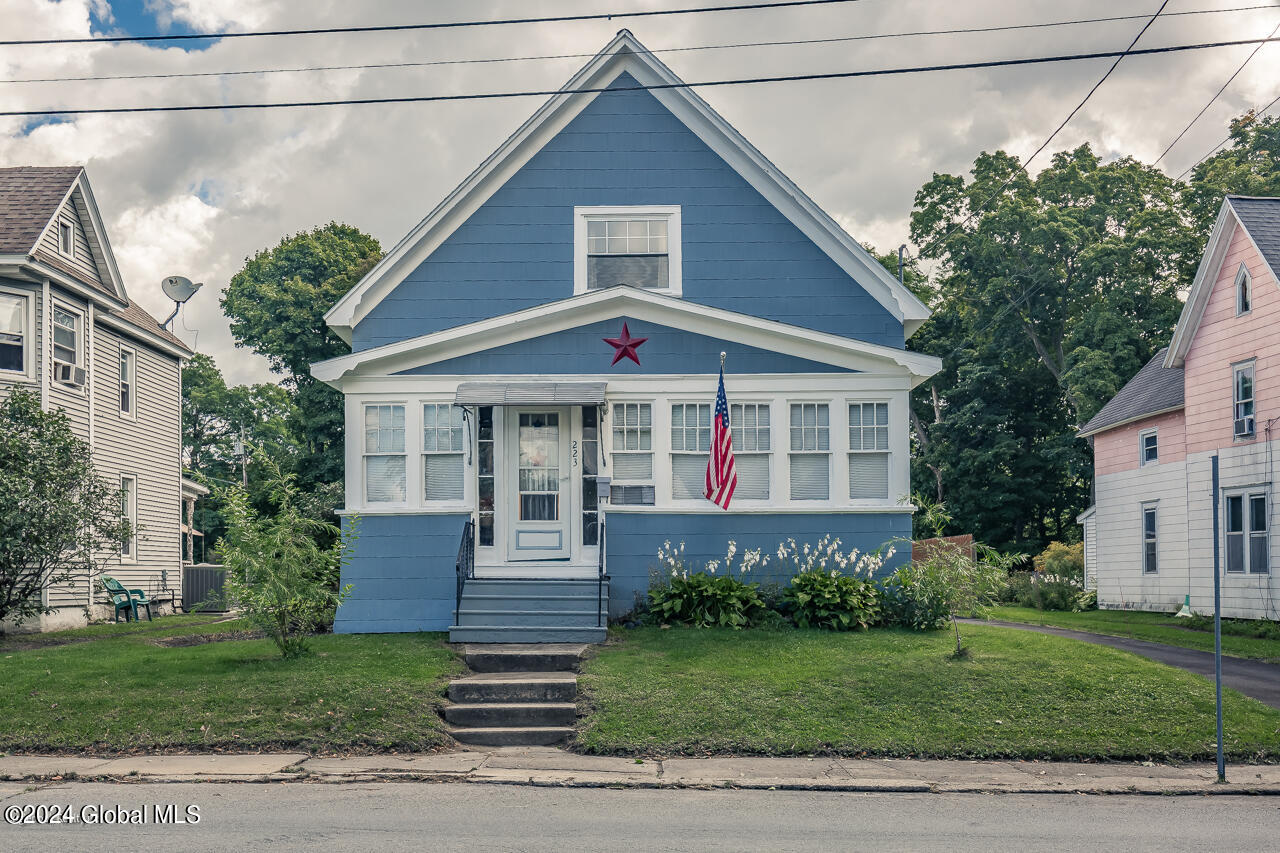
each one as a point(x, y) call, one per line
point(443, 474)
point(688, 475)
point(810, 477)
point(868, 475)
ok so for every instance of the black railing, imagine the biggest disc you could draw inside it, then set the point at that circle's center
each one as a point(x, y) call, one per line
point(600, 576)
point(466, 564)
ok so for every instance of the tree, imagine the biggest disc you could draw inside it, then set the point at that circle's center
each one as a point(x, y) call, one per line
point(59, 521)
point(277, 304)
point(1250, 165)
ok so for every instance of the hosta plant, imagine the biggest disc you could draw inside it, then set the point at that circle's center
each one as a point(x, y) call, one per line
point(833, 601)
point(709, 598)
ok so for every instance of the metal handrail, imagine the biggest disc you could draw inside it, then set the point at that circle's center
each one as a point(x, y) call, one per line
point(600, 574)
point(466, 563)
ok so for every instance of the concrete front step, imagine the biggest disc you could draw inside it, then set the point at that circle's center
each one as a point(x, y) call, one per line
point(536, 586)
point(515, 687)
point(516, 601)
point(548, 634)
point(513, 736)
point(511, 715)
point(522, 618)
point(520, 657)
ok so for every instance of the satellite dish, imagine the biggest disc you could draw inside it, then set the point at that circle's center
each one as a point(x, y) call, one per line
point(179, 289)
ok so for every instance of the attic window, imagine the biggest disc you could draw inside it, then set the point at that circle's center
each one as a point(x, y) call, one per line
point(66, 238)
point(1244, 291)
point(637, 246)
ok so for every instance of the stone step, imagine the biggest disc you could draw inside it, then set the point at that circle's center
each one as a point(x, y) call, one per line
point(511, 715)
point(515, 687)
point(513, 736)
point(518, 657)
point(531, 618)
point(504, 634)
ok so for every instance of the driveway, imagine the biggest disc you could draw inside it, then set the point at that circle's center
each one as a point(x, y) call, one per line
point(1253, 678)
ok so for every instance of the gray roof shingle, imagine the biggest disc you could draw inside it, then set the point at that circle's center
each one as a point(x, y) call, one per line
point(1155, 388)
point(29, 197)
point(1261, 218)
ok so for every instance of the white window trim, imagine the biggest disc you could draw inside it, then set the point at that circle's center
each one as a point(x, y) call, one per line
point(1143, 462)
point(836, 447)
point(468, 452)
point(1243, 277)
point(132, 413)
point(670, 212)
point(769, 454)
point(1236, 369)
point(412, 461)
point(1246, 493)
point(28, 372)
point(848, 451)
point(1154, 506)
point(132, 511)
point(70, 251)
point(82, 346)
point(656, 445)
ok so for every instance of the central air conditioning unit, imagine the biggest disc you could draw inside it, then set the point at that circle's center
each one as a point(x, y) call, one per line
point(1244, 426)
point(68, 374)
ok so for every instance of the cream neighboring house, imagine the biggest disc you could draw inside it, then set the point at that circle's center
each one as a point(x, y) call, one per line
point(1213, 392)
point(70, 333)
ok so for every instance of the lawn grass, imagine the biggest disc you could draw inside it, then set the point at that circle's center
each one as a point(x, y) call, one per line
point(1156, 627)
point(897, 693)
point(174, 625)
point(353, 694)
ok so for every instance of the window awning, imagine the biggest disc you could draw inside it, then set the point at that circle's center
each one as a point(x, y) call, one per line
point(526, 393)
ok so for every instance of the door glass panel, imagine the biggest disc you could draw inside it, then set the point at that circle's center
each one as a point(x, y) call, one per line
point(539, 461)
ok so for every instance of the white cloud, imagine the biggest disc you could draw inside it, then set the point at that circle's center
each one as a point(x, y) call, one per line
point(195, 193)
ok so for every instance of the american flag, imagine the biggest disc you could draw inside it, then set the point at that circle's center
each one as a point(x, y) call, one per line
point(722, 478)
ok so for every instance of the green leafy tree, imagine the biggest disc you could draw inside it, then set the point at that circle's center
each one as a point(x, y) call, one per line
point(277, 304)
point(277, 573)
point(59, 521)
point(1249, 165)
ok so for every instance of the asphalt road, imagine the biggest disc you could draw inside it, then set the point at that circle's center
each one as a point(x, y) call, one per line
point(1254, 678)
point(393, 816)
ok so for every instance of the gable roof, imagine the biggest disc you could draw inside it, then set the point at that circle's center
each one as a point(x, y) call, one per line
point(30, 198)
point(1260, 219)
point(1153, 390)
point(612, 302)
point(625, 55)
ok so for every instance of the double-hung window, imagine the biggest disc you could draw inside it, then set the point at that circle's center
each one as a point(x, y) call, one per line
point(1148, 447)
point(66, 335)
point(1246, 533)
point(690, 449)
point(128, 373)
point(749, 427)
point(384, 456)
point(632, 455)
point(1244, 291)
point(442, 452)
point(637, 246)
point(129, 515)
point(869, 451)
point(1150, 540)
point(1243, 412)
point(14, 332)
point(810, 452)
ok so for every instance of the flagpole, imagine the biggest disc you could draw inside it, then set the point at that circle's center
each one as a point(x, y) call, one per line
point(722, 361)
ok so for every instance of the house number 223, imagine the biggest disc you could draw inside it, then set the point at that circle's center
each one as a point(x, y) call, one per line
point(574, 454)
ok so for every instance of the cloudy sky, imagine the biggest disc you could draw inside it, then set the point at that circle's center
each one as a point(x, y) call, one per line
point(196, 193)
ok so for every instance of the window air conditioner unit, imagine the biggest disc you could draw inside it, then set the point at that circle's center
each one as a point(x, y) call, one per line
point(68, 374)
point(1244, 426)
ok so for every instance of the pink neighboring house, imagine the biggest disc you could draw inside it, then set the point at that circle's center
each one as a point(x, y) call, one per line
point(1215, 390)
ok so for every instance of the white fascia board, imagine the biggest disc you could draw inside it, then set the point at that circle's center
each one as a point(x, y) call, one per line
point(624, 54)
point(107, 258)
point(642, 386)
point(1128, 421)
point(1088, 513)
point(617, 301)
point(35, 270)
point(1202, 286)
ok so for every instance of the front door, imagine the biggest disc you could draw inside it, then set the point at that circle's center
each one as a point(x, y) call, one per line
point(538, 468)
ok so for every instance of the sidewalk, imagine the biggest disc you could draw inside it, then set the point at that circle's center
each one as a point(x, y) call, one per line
point(546, 766)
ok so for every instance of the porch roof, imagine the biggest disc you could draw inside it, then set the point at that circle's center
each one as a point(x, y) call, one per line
point(524, 393)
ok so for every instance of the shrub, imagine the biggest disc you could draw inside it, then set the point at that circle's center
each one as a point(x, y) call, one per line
point(1061, 560)
point(833, 601)
point(276, 573)
point(703, 598)
point(1086, 600)
point(909, 599)
point(1042, 591)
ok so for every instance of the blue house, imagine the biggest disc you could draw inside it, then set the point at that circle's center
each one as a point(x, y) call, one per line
point(534, 367)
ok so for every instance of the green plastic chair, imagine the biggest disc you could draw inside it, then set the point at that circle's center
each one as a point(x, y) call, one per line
point(128, 600)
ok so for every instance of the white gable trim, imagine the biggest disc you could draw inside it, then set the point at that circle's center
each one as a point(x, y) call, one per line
point(599, 305)
point(1207, 274)
point(87, 214)
point(624, 54)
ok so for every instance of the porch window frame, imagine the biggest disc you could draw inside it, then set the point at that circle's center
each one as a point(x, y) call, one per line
point(365, 454)
point(655, 445)
point(461, 451)
point(670, 212)
point(832, 429)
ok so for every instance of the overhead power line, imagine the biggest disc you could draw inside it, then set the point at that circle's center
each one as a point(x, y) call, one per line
point(781, 78)
point(1257, 114)
point(434, 25)
point(686, 49)
point(1212, 100)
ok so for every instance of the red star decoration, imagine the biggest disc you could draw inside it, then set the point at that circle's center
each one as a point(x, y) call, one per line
point(625, 346)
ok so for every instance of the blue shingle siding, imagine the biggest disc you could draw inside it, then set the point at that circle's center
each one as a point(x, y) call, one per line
point(583, 351)
point(633, 539)
point(625, 148)
point(401, 575)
